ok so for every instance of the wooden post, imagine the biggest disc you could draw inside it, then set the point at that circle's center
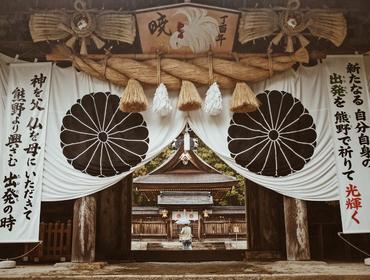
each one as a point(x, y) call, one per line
point(264, 216)
point(296, 230)
point(84, 223)
point(125, 212)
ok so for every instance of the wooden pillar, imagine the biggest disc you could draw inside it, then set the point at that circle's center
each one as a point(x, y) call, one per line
point(114, 221)
point(84, 233)
point(265, 218)
point(296, 229)
point(125, 213)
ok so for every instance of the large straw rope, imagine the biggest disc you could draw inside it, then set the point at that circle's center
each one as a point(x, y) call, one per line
point(225, 72)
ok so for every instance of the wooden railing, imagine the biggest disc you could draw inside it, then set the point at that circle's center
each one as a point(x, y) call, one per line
point(143, 228)
point(224, 228)
point(56, 244)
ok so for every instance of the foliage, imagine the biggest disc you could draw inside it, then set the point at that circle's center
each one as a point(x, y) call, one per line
point(233, 197)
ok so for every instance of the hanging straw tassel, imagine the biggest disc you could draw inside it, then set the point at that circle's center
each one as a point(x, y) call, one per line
point(189, 98)
point(161, 102)
point(213, 101)
point(133, 98)
point(244, 100)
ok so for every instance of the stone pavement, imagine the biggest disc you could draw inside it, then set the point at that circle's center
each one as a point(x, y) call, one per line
point(279, 270)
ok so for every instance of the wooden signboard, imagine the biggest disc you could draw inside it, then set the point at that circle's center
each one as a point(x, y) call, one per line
point(187, 28)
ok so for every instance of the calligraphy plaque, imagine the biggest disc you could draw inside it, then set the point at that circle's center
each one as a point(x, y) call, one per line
point(187, 28)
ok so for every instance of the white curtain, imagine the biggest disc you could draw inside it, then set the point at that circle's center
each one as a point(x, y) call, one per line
point(61, 180)
point(317, 179)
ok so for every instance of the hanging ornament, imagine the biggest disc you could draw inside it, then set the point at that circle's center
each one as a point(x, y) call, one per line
point(189, 98)
point(133, 98)
point(161, 102)
point(213, 101)
point(244, 100)
point(291, 23)
point(82, 26)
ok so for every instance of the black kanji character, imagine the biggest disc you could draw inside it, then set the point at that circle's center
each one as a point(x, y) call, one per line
point(33, 149)
point(335, 79)
point(159, 25)
point(345, 152)
point(353, 68)
point(362, 127)
point(38, 80)
point(8, 222)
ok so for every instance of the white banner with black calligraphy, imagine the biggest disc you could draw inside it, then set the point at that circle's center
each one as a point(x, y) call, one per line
point(350, 115)
point(22, 149)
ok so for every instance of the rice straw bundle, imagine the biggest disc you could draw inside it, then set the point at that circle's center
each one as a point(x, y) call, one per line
point(234, 69)
point(244, 100)
point(107, 73)
point(133, 98)
point(255, 24)
point(329, 25)
point(44, 26)
point(264, 63)
point(189, 71)
point(142, 72)
point(300, 55)
point(116, 26)
point(189, 98)
point(81, 65)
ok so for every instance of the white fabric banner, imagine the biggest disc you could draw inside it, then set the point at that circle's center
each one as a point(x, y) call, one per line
point(286, 145)
point(23, 145)
point(350, 122)
point(91, 145)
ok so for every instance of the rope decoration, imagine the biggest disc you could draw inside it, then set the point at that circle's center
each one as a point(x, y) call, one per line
point(176, 74)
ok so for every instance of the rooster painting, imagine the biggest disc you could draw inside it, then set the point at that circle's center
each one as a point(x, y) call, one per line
point(199, 33)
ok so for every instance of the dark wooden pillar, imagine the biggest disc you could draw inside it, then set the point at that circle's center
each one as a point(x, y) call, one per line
point(265, 218)
point(296, 229)
point(125, 213)
point(84, 233)
point(114, 221)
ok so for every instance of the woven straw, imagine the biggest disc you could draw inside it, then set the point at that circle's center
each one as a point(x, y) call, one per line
point(255, 24)
point(235, 70)
point(329, 25)
point(189, 98)
point(263, 62)
point(300, 55)
point(116, 26)
point(84, 67)
point(142, 72)
point(106, 72)
point(244, 100)
point(188, 71)
point(133, 98)
point(44, 26)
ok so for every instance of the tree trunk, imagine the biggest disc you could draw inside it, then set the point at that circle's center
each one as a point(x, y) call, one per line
point(84, 224)
point(296, 229)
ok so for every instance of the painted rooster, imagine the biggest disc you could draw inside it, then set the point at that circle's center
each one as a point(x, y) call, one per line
point(199, 33)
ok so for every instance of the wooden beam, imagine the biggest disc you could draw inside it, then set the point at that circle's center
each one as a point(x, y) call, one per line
point(83, 235)
point(296, 229)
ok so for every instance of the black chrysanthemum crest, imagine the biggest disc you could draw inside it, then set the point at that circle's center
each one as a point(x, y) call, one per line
point(100, 140)
point(276, 140)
